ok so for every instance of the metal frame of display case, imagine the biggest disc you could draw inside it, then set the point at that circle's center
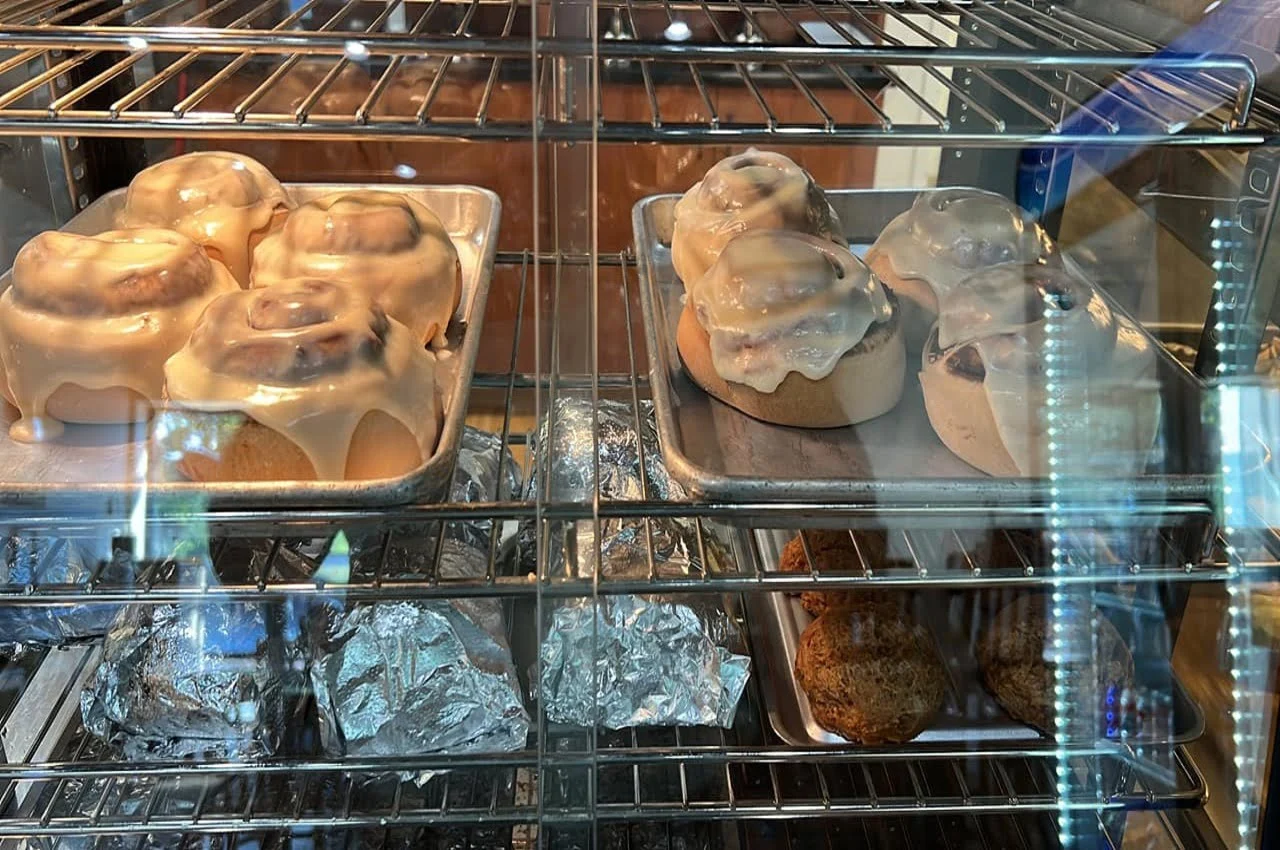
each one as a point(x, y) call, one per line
point(1017, 68)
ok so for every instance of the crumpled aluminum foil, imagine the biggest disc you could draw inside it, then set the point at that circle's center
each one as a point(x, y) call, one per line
point(208, 679)
point(416, 677)
point(40, 562)
point(659, 660)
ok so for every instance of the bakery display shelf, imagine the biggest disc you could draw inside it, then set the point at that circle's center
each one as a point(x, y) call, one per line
point(161, 68)
point(567, 776)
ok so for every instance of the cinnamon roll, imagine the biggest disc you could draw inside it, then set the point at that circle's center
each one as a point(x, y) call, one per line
point(225, 202)
point(302, 380)
point(1019, 350)
point(756, 190)
point(946, 236)
point(385, 244)
point(793, 329)
point(88, 322)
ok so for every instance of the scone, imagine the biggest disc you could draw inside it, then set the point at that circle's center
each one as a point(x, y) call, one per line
point(832, 551)
point(1018, 669)
point(303, 380)
point(88, 322)
point(989, 383)
point(794, 330)
point(224, 202)
point(871, 672)
point(947, 235)
point(385, 244)
point(756, 190)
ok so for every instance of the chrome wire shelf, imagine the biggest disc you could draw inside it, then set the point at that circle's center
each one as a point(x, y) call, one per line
point(394, 554)
point(567, 776)
point(674, 71)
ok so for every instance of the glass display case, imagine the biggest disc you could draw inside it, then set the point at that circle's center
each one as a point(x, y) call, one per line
point(639, 423)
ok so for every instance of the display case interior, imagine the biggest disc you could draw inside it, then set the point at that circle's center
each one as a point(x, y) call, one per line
point(616, 606)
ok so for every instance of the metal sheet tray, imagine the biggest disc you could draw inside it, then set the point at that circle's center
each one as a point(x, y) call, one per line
point(103, 469)
point(719, 453)
point(969, 713)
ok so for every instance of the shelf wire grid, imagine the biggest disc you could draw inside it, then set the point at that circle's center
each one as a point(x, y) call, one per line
point(396, 553)
point(707, 71)
point(695, 774)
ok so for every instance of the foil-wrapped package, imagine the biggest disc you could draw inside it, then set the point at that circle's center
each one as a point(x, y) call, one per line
point(410, 678)
point(658, 660)
point(41, 562)
point(485, 472)
point(201, 680)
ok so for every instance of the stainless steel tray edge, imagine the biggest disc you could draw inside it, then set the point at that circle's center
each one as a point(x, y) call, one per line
point(428, 482)
point(651, 236)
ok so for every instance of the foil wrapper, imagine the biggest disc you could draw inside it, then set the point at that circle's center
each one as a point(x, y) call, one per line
point(412, 678)
point(658, 660)
point(41, 562)
point(200, 680)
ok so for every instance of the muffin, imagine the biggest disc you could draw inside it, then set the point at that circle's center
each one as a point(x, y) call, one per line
point(832, 551)
point(1019, 673)
point(871, 672)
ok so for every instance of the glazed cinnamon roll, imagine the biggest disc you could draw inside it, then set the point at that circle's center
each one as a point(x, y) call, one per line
point(385, 244)
point(224, 202)
point(756, 190)
point(1019, 350)
point(946, 236)
point(793, 329)
point(88, 322)
point(301, 380)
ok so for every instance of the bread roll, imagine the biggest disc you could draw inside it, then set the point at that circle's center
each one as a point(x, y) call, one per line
point(387, 245)
point(88, 322)
point(947, 235)
point(301, 380)
point(987, 379)
point(1018, 667)
point(224, 202)
point(756, 190)
point(832, 551)
point(871, 672)
point(793, 329)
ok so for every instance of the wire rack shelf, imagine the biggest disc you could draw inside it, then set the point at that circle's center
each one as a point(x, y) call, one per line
point(702, 72)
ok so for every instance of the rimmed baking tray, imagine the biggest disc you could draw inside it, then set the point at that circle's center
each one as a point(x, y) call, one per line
point(105, 469)
point(719, 453)
point(969, 714)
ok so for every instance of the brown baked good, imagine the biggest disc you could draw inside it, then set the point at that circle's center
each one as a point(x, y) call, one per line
point(1020, 673)
point(224, 202)
point(386, 244)
point(793, 330)
point(947, 235)
point(988, 382)
point(871, 672)
point(832, 551)
point(88, 322)
point(298, 381)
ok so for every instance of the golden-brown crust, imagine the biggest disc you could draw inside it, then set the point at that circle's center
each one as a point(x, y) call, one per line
point(871, 673)
point(829, 402)
point(381, 447)
point(1020, 674)
point(832, 551)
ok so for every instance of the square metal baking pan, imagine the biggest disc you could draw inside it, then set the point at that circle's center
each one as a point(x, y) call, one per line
point(720, 453)
point(969, 713)
point(104, 469)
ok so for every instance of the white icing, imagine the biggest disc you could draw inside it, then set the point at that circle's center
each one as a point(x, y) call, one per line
point(948, 234)
point(99, 311)
point(756, 190)
point(244, 357)
point(220, 200)
point(777, 302)
point(386, 244)
point(1041, 334)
